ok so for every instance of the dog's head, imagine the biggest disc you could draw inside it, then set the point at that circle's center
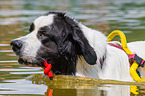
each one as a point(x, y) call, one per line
point(57, 39)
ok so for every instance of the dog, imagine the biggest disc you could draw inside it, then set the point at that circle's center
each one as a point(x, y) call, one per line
point(73, 49)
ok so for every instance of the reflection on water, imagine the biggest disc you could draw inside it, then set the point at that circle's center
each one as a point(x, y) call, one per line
point(103, 15)
point(86, 86)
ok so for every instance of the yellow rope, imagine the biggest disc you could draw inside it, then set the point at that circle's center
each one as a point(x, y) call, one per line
point(134, 66)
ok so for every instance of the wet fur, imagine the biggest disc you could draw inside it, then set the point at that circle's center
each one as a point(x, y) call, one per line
point(74, 49)
point(68, 43)
point(60, 42)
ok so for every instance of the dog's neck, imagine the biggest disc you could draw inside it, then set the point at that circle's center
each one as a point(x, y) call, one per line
point(98, 41)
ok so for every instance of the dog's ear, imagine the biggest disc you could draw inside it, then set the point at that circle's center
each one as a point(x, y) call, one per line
point(73, 42)
point(84, 47)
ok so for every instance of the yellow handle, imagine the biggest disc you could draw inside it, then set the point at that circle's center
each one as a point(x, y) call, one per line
point(133, 72)
point(123, 40)
point(134, 66)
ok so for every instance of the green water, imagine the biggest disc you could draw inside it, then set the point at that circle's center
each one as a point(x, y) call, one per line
point(103, 15)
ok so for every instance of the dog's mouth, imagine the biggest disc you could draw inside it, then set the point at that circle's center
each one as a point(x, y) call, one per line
point(39, 63)
point(30, 63)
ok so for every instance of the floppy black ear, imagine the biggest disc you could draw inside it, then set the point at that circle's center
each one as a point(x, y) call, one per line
point(85, 49)
point(73, 42)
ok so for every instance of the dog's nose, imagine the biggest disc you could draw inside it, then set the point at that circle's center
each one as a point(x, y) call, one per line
point(16, 46)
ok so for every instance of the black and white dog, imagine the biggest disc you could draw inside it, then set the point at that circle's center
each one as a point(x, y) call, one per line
point(73, 49)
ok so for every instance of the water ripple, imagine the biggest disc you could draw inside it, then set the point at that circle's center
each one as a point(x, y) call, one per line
point(6, 51)
point(19, 70)
point(4, 44)
point(8, 61)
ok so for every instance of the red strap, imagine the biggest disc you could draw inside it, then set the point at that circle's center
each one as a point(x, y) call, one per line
point(117, 46)
point(132, 58)
point(47, 70)
point(120, 47)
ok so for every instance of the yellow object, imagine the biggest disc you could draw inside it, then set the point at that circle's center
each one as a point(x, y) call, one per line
point(134, 89)
point(135, 65)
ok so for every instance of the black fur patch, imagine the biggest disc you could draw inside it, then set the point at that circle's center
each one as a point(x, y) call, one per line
point(62, 43)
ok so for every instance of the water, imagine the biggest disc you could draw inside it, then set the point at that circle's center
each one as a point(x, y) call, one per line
point(103, 15)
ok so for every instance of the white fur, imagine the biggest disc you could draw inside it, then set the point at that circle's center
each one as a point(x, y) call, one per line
point(116, 65)
point(31, 44)
point(43, 21)
point(98, 41)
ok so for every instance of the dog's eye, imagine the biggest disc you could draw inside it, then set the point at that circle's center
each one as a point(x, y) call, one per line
point(42, 35)
point(42, 32)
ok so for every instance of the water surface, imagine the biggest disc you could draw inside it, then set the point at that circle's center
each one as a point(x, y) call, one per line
point(103, 15)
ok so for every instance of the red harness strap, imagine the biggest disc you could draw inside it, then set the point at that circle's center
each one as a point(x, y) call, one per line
point(138, 59)
point(117, 46)
point(132, 58)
